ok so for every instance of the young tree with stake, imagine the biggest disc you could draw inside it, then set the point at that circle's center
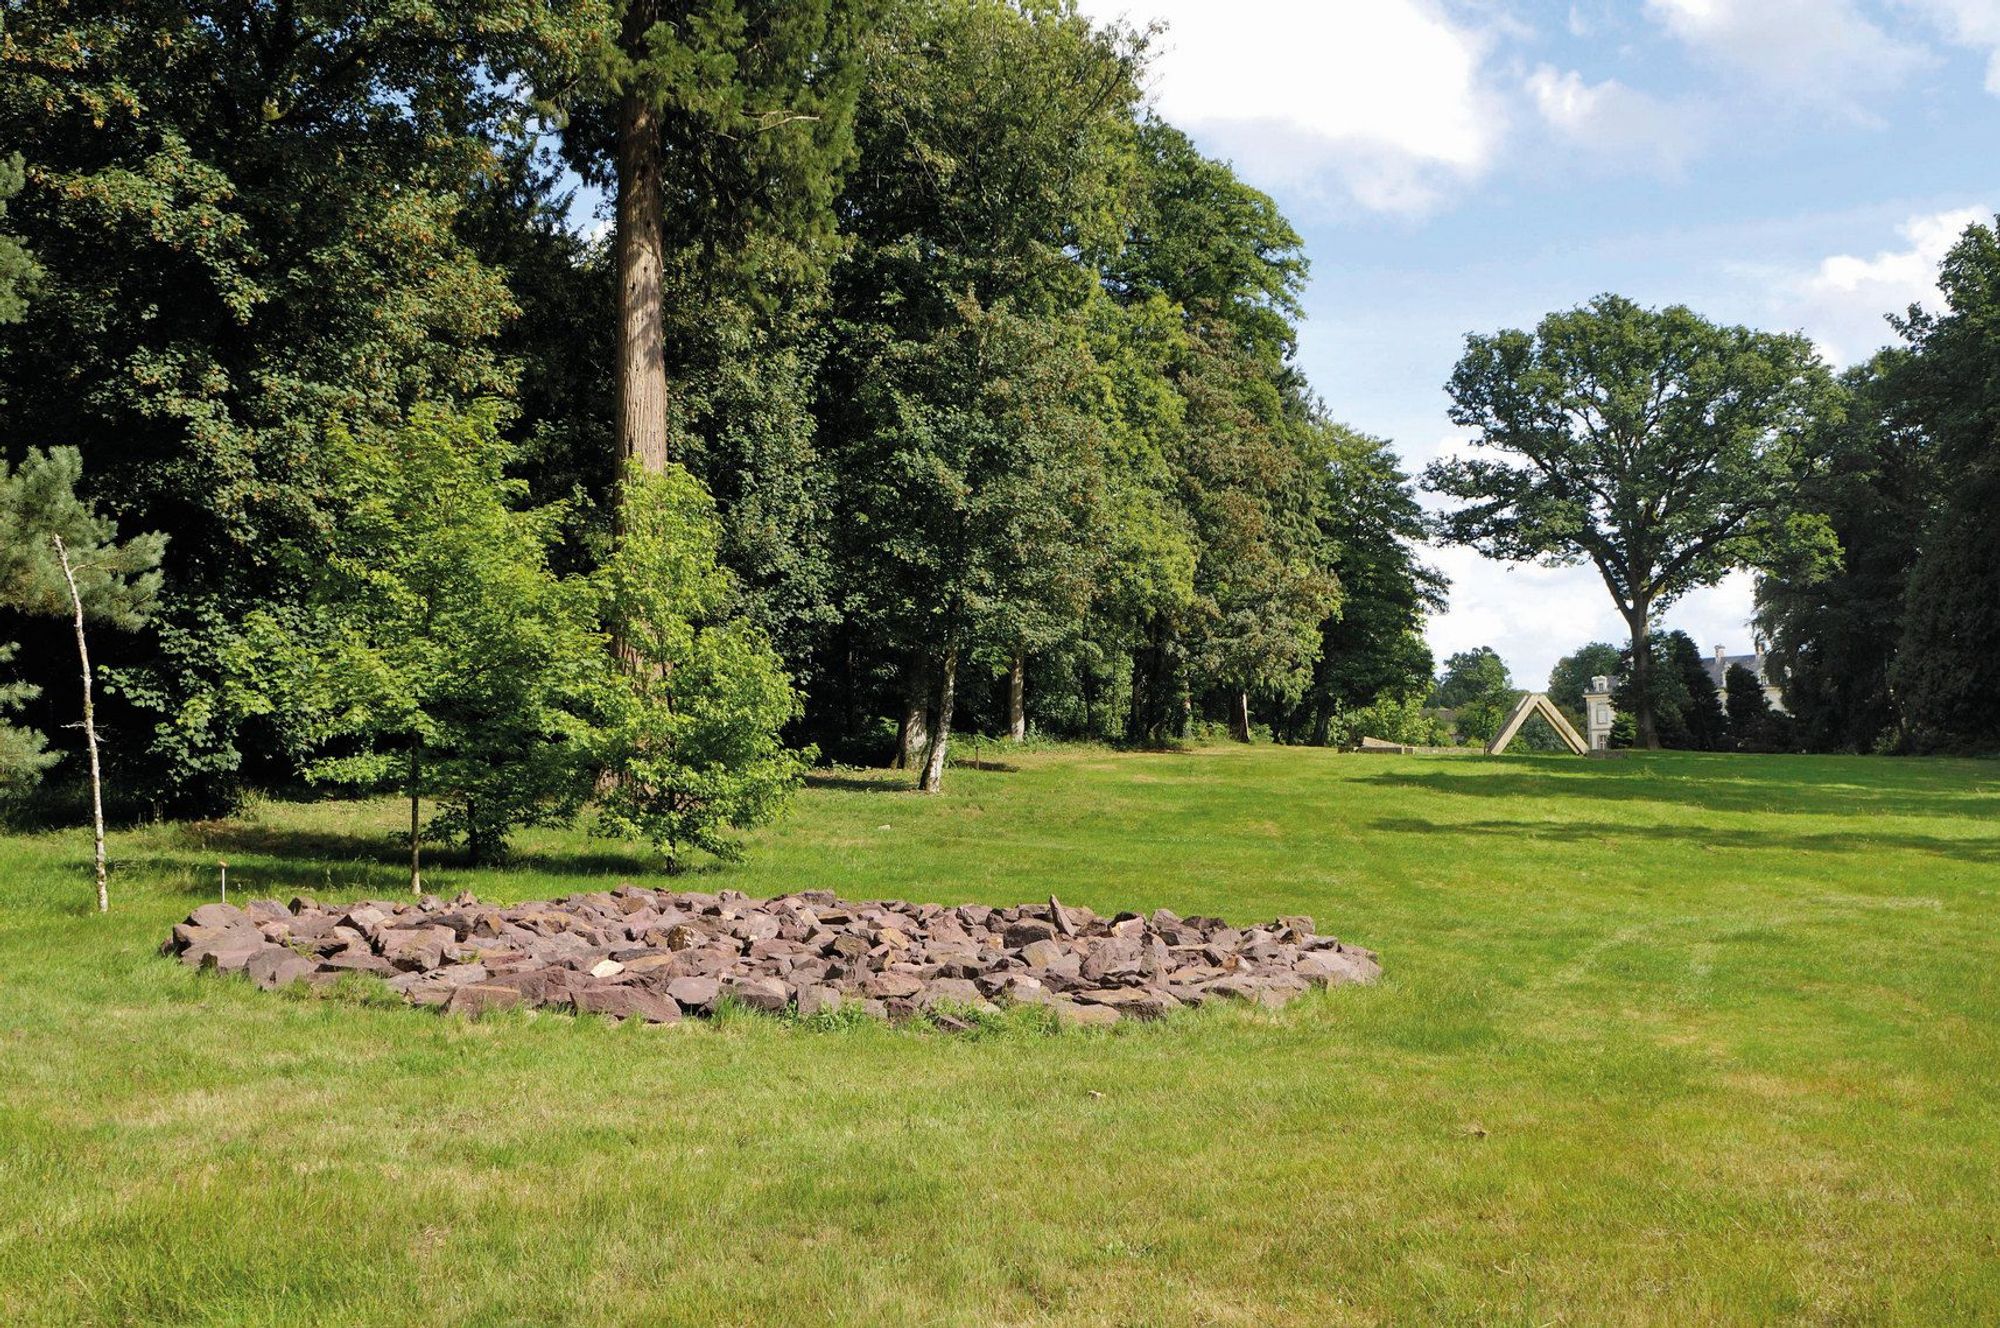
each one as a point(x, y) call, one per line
point(59, 556)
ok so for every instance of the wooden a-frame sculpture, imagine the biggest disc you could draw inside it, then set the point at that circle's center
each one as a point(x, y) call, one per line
point(1536, 703)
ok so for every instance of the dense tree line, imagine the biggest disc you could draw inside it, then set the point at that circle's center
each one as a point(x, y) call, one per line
point(1896, 644)
point(1665, 451)
point(924, 379)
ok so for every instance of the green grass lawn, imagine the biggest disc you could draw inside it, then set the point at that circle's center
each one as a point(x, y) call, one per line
point(1670, 1039)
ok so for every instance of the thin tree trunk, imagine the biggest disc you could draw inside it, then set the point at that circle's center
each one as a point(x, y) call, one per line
point(1322, 732)
point(416, 842)
point(1239, 717)
point(933, 776)
point(642, 355)
point(1017, 711)
point(89, 727)
point(1135, 722)
point(1639, 620)
point(913, 734)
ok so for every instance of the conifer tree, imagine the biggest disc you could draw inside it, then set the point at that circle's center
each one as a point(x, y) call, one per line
point(60, 557)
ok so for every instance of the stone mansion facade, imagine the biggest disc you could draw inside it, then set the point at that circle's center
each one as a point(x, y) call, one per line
point(1599, 715)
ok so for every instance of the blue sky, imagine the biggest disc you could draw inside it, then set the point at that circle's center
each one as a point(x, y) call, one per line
point(1467, 165)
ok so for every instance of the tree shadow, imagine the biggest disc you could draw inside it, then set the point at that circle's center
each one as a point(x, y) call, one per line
point(1797, 786)
point(1978, 851)
point(893, 782)
point(317, 853)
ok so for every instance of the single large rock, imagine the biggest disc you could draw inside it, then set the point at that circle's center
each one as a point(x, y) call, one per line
point(275, 966)
point(478, 998)
point(1131, 1002)
point(1073, 1015)
point(357, 961)
point(219, 916)
point(625, 1002)
point(766, 994)
point(892, 986)
point(696, 994)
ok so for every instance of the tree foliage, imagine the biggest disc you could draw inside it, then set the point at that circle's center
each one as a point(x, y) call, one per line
point(1753, 724)
point(1836, 625)
point(1654, 445)
point(107, 581)
point(247, 219)
point(17, 266)
point(436, 651)
point(1572, 674)
point(1947, 672)
point(1686, 707)
point(694, 739)
point(985, 370)
point(61, 557)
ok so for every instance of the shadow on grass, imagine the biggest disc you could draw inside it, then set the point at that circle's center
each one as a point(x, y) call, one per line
point(1799, 786)
point(1982, 851)
point(315, 854)
point(897, 781)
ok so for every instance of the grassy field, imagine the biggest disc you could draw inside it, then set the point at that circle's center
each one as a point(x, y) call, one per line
point(1671, 1039)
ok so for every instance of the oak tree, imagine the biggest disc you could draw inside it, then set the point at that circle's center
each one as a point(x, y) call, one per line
point(1653, 445)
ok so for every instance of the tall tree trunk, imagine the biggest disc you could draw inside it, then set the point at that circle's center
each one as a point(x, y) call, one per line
point(1239, 717)
point(1017, 711)
point(947, 697)
point(642, 351)
point(416, 842)
point(913, 734)
point(1639, 619)
point(89, 727)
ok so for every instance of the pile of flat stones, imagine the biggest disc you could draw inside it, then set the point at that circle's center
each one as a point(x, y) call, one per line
point(656, 955)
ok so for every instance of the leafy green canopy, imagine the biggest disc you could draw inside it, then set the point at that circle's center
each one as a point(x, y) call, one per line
point(1947, 671)
point(755, 102)
point(694, 734)
point(975, 499)
point(1836, 626)
point(1373, 649)
point(1572, 674)
point(1221, 457)
point(436, 649)
point(247, 219)
point(1654, 445)
point(1470, 675)
point(1686, 708)
point(1753, 725)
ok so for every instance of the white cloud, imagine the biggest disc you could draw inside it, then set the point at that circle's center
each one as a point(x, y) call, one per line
point(1380, 102)
point(1817, 52)
point(1613, 121)
point(1972, 23)
point(1842, 302)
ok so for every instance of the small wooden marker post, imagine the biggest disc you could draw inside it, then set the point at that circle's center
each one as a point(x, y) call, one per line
point(224, 866)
